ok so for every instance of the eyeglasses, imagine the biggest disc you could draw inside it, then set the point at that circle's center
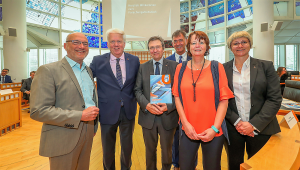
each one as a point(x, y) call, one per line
point(178, 41)
point(156, 47)
point(197, 42)
point(238, 43)
point(77, 42)
point(118, 42)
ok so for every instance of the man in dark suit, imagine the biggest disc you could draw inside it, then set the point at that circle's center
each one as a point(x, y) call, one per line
point(156, 119)
point(4, 78)
point(27, 85)
point(64, 98)
point(116, 75)
point(179, 44)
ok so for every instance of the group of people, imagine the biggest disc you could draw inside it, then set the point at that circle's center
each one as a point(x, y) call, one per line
point(233, 104)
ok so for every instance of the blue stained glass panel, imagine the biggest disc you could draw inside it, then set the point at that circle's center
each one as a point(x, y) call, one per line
point(195, 4)
point(210, 2)
point(101, 30)
point(216, 10)
point(93, 41)
point(90, 28)
point(297, 4)
point(103, 43)
point(184, 18)
point(100, 7)
point(43, 5)
point(90, 17)
point(101, 22)
point(184, 7)
point(217, 20)
point(249, 2)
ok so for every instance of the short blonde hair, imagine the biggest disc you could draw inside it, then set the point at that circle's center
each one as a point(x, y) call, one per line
point(115, 31)
point(239, 34)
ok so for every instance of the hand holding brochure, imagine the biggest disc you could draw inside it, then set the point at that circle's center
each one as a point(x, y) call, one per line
point(160, 89)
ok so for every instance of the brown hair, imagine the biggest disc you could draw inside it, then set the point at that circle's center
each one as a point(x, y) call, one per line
point(178, 32)
point(153, 38)
point(279, 70)
point(199, 36)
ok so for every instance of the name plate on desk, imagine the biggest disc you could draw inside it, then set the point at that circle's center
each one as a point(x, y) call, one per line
point(289, 120)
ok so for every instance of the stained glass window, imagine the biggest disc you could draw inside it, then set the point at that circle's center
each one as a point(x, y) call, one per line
point(210, 2)
point(216, 10)
point(198, 15)
point(195, 4)
point(184, 18)
point(43, 5)
point(184, 7)
point(93, 41)
point(280, 8)
point(103, 44)
point(297, 4)
point(90, 28)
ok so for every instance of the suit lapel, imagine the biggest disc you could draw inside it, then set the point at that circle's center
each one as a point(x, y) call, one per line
point(127, 65)
point(230, 74)
point(69, 70)
point(150, 67)
point(109, 69)
point(165, 67)
point(253, 72)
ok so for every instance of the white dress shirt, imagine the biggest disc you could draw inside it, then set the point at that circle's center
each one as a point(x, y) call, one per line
point(241, 88)
point(184, 57)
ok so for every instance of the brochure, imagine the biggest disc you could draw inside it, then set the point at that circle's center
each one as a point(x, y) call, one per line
point(160, 89)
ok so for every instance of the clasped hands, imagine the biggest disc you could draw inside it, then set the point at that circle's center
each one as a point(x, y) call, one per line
point(205, 136)
point(245, 128)
point(89, 113)
point(157, 109)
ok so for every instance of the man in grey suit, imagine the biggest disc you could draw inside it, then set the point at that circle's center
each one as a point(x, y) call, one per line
point(26, 86)
point(156, 119)
point(63, 97)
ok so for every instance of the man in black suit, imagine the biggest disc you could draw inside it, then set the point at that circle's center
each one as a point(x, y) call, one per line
point(27, 85)
point(156, 119)
point(4, 78)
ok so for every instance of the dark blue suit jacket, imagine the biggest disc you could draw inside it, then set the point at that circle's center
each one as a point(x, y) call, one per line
point(109, 91)
point(172, 57)
point(7, 79)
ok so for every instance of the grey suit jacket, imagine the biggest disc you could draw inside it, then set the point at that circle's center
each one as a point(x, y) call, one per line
point(26, 86)
point(57, 101)
point(142, 93)
point(265, 96)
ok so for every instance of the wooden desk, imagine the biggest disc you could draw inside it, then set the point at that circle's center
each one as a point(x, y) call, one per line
point(281, 152)
point(10, 112)
point(13, 86)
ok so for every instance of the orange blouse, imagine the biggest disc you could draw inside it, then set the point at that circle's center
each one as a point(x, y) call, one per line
point(201, 113)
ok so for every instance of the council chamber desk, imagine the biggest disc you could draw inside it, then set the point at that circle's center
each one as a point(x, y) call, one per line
point(281, 152)
point(10, 112)
point(13, 86)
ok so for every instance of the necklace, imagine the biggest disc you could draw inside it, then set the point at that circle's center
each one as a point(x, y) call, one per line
point(194, 83)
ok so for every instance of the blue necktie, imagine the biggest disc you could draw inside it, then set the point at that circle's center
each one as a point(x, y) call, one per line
point(180, 59)
point(157, 68)
point(119, 73)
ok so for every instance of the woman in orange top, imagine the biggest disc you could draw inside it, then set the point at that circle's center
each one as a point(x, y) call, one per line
point(194, 94)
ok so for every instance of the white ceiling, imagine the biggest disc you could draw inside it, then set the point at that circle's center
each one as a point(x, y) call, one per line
point(289, 33)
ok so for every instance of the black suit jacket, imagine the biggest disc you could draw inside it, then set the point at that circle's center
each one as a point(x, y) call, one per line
point(142, 93)
point(26, 87)
point(265, 96)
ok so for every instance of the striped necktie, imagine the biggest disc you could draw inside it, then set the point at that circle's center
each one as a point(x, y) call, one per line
point(180, 59)
point(119, 73)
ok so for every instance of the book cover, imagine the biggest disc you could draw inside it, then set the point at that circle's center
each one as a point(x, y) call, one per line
point(160, 86)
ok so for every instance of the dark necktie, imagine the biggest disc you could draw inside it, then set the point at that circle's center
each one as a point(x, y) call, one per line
point(157, 68)
point(180, 59)
point(119, 73)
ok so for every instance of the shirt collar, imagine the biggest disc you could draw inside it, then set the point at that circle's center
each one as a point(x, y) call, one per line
point(184, 56)
point(113, 58)
point(160, 61)
point(75, 64)
point(246, 63)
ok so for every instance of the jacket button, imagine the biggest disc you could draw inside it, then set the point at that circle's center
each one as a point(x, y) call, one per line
point(83, 106)
point(252, 105)
point(119, 100)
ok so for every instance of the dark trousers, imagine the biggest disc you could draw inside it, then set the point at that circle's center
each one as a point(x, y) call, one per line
point(175, 149)
point(236, 149)
point(211, 152)
point(108, 136)
point(151, 139)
